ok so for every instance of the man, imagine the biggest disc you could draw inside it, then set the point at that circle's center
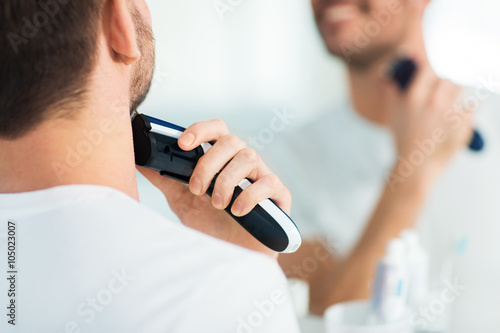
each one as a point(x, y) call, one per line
point(375, 165)
point(80, 253)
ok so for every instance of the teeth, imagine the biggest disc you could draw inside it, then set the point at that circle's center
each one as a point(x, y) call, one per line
point(340, 13)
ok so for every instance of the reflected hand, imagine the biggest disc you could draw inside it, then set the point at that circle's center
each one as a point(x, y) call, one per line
point(428, 122)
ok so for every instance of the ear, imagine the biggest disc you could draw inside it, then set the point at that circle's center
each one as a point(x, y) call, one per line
point(122, 34)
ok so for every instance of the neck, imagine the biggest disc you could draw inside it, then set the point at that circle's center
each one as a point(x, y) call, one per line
point(93, 148)
point(365, 84)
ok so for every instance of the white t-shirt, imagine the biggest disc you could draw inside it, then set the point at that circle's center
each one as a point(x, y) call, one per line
point(336, 168)
point(91, 259)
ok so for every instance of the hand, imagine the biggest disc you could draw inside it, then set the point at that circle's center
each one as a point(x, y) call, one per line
point(231, 157)
point(428, 125)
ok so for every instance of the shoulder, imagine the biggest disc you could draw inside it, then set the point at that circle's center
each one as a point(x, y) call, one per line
point(137, 229)
point(222, 286)
point(158, 273)
point(253, 295)
point(120, 213)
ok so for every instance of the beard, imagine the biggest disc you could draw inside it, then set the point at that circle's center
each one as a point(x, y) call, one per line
point(142, 74)
point(367, 58)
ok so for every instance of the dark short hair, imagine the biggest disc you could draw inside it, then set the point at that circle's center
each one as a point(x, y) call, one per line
point(47, 52)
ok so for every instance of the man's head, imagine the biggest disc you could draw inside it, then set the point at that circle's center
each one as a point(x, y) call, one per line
point(51, 49)
point(363, 31)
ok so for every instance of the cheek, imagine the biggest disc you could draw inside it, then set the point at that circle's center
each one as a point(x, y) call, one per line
point(317, 7)
point(397, 26)
point(385, 20)
point(376, 5)
point(144, 10)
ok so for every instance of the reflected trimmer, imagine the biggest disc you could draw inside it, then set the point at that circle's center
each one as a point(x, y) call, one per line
point(403, 71)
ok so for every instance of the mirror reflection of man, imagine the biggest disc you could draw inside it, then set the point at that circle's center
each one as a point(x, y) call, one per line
point(348, 169)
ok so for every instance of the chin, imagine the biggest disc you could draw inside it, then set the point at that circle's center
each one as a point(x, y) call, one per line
point(333, 43)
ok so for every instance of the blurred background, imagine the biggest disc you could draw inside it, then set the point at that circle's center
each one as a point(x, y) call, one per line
point(261, 56)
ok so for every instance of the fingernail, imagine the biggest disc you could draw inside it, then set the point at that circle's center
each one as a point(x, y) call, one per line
point(237, 208)
point(196, 186)
point(187, 139)
point(217, 201)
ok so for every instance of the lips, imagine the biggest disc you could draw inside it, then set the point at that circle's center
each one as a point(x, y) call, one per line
point(339, 13)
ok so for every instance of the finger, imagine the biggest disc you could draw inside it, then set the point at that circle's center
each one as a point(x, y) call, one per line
point(422, 88)
point(213, 161)
point(268, 187)
point(468, 124)
point(202, 132)
point(469, 104)
point(447, 95)
point(246, 164)
point(444, 97)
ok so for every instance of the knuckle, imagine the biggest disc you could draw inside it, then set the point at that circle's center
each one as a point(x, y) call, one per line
point(202, 167)
point(250, 155)
point(197, 127)
point(223, 181)
point(237, 167)
point(231, 140)
point(273, 181)
point(250, 194)
point(220, 123)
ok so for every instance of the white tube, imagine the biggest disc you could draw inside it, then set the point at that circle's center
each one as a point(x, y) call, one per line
point(391, 285)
